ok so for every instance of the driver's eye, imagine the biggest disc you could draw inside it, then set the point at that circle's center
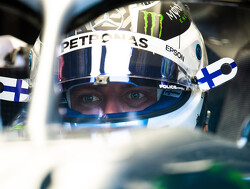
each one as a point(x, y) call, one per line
point(88, 101)
point(90, 98)
point(135, 98)
point(135, 95)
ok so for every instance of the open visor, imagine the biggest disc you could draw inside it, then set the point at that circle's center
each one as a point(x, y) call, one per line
point(121, 66)
point(135, 76)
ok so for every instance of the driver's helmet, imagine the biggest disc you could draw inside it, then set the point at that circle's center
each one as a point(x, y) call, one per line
point(133, 67)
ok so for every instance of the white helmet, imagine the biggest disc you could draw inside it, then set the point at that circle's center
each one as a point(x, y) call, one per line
point(149, 56)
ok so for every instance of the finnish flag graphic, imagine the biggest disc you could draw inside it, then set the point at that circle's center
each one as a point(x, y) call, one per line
point(16, 90)
point(216, 73)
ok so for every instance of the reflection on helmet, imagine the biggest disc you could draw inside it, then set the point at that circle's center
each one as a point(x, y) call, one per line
point(132, 67)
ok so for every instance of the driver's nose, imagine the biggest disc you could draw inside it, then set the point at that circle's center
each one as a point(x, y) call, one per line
point(113, 106)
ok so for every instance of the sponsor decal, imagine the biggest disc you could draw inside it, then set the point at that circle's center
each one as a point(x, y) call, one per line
point(175, 52)
point(83, 41)
point(183, 18)
point(109, 20)
point(121, 38)
point(117, 19)
point(153, 21)
point(172, 93)
point(176, 12)
point(158, 20)
point(170, 87)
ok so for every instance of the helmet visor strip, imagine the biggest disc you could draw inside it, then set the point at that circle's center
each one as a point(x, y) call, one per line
point(120, 53)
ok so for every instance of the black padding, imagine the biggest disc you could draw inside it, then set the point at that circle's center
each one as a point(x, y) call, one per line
point(236, 106)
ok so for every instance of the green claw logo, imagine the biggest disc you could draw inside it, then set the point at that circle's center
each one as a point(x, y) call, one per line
point(153, 16)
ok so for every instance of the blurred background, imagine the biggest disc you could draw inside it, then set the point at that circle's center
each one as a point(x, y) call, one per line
point(225, 26)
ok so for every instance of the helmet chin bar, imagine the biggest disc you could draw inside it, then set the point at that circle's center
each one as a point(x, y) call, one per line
point(215, 74)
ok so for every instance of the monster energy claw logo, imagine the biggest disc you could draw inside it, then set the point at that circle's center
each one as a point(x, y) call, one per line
point(153, 17)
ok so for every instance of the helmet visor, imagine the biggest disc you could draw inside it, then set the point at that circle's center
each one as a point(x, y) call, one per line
point(121, 56)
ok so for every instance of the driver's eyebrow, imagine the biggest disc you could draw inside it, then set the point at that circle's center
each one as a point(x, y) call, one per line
point(128, 86)
point(136, 87)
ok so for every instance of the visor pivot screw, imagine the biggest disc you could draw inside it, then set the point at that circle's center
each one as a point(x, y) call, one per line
point(226, 69)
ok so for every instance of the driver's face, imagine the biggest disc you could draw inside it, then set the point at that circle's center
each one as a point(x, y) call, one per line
point(112, 98)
